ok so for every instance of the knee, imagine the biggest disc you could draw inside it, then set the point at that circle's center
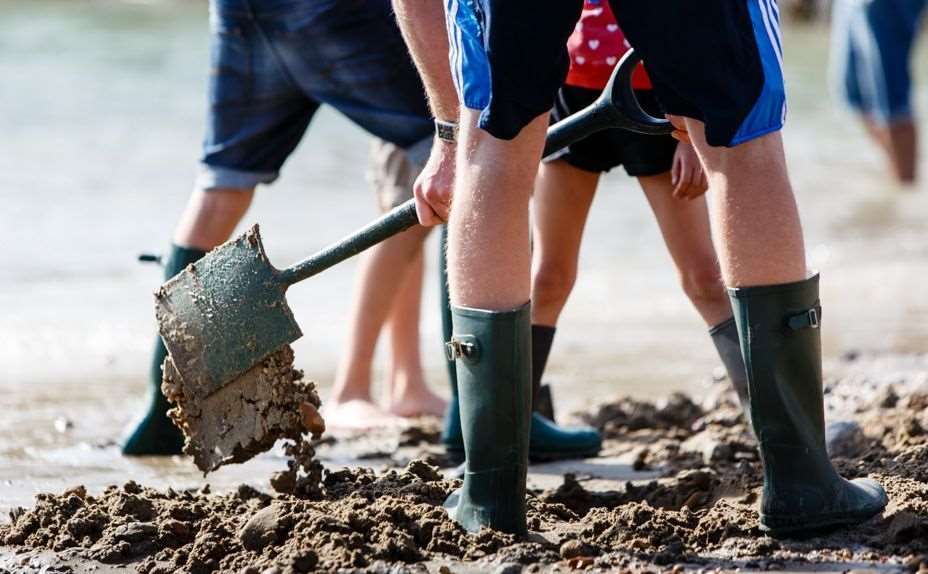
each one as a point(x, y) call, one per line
point(225, 198)
point(220, 204)
point(552, 284)
point(703, 283)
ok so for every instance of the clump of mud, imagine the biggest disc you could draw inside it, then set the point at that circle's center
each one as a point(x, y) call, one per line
point(701, 511)
point(360, 519)
point(248, 416)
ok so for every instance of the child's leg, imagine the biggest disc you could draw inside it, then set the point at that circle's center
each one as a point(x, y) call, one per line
point(383, 270)
point(409, 395)
point(561, 204)
point(684, 225)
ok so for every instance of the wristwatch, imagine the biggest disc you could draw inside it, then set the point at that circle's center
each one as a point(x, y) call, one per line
point(446, 131)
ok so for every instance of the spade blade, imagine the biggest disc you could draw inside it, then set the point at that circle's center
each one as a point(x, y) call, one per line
point(224, 314)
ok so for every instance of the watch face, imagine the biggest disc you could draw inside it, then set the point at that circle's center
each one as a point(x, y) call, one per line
point(446, 131)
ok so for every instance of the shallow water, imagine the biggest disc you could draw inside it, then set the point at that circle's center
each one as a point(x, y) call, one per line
point(101, 107)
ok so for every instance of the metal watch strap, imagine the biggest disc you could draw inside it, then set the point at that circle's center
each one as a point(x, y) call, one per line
point(446, 131)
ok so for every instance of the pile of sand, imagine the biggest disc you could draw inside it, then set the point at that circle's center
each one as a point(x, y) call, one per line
point(701, 513)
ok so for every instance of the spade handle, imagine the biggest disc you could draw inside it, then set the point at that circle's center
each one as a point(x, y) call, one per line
point(397, 220)
point(404, 216)
point(591, 119)
point(617, 107)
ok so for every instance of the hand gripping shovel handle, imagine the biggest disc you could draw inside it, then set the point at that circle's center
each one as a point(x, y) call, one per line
point(615, 108)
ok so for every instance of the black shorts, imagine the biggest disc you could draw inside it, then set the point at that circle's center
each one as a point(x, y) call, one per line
point(639, 154)
point(718, 61)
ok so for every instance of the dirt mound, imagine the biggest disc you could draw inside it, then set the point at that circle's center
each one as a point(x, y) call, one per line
point(701, 511)
point(360, 518)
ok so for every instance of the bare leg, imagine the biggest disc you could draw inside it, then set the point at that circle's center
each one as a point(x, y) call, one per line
point(899, 140)
point(758, 231)
point(489, 267)
point(211, 216)
point(383, 270)
point(562, 200)
point(488, 254)
point(903, 137)
point(409, 393)
point(688, 236)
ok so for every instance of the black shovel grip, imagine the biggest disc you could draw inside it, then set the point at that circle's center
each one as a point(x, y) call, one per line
point(616, 107)
point(578, 126)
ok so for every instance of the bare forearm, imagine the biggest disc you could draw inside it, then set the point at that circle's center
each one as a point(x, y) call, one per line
point(423, 25)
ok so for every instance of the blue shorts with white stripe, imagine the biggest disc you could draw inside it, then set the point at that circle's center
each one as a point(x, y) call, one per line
point(719, 61)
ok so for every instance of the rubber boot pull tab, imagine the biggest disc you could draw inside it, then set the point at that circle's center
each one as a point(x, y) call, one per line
point(808, 319)
point(463, 346)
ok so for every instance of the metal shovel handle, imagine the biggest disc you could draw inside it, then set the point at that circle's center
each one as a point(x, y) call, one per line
point(615, 108)
point(395, 221)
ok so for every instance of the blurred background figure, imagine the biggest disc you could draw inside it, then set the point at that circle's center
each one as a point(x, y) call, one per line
point(872, 43)
point(804, 10)
point(273, 65)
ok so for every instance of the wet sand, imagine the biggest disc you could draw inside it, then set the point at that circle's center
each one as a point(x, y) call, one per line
point(77, 322)
point(676, 489)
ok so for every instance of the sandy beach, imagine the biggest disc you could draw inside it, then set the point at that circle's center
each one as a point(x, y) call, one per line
point(675, 490)
point(102, 110)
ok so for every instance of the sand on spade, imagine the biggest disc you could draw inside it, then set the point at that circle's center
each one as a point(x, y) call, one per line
point(698, 514)
point(247, 416)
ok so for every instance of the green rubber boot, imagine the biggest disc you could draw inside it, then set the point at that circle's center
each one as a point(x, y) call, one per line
point(451, 429)
point(492, 350)
point(547, 442)
point(781, 344)
point(725, 337)
point(153, 433)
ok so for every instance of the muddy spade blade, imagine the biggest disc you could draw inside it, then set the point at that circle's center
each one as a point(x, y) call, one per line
point(225, 313)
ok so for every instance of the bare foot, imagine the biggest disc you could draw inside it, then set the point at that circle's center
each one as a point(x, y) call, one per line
point(420, 401)
point(355, 415)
